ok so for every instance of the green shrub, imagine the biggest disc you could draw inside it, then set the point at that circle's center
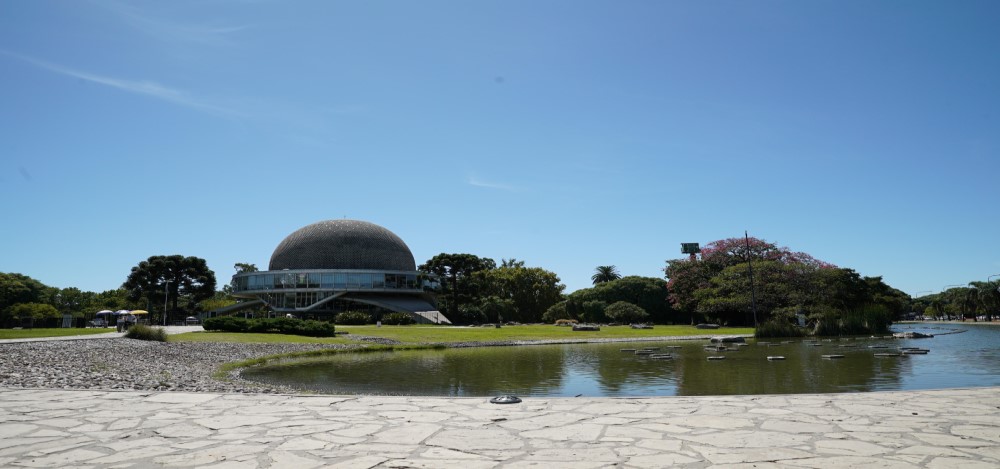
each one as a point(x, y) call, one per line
point(397, 319)
point(225, 324)
point(307, 328)
point(592, 311)
point(870, 319)
point(353, 318)
point(625, 312)
point(470, 314)
point(144, 332)
point(778, 327)
point(556, 312)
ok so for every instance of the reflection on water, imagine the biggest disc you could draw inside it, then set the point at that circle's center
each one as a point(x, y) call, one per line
point(967, 359)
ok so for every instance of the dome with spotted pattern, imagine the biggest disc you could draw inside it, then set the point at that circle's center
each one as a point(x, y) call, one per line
point(342, 244)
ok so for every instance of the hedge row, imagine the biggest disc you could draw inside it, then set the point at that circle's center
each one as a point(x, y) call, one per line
point(308, 328)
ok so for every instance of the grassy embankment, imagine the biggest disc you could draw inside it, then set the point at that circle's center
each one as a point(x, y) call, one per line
point(53, 332)
point(431, 334)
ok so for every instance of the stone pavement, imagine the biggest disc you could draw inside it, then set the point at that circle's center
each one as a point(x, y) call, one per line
point(930, 429)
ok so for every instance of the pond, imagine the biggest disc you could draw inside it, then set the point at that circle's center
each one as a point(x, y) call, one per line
point(959, 356)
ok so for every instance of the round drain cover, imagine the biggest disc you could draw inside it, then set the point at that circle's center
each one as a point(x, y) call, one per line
point(505, 400)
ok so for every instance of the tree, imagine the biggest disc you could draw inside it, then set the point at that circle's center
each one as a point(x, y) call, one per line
point(34, 311)
point(113, 300)
point(221, 299)
point(18, 288)
point(649, 293)
point(988, 294)
point(720, 277)
point(512, 262)
point(453, 276)
point(625, 312)
point(727, 300)
point(531, 289)
point(242, 268)
point(186, 279)
point(556, 312)
point(497, 309)
point(605, 273)
point(72, 300)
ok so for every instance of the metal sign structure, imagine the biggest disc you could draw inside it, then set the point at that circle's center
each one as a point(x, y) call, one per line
point(690, 248)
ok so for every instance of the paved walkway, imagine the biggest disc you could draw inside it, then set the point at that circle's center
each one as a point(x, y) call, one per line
point(929, 429)
point(112, 333)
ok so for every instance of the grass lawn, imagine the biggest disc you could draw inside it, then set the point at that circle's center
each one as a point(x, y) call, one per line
point(447, 334)
point(57, 332)
point(424, 334)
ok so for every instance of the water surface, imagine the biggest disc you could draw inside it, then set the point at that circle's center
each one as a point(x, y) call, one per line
point(967, 359)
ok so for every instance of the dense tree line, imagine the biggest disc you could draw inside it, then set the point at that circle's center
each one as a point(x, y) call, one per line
point(599, 304)
point(24, 300)
point(472, 290)
point(977, 301)
point(717, 288)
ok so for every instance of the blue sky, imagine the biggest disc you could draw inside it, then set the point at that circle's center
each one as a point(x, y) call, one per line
point(568, 134)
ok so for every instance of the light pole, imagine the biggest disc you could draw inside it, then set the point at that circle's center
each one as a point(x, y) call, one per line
point(166, 295)
point(753, 299)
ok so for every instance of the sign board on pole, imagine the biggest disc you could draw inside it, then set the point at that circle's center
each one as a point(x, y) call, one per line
point(690, 248)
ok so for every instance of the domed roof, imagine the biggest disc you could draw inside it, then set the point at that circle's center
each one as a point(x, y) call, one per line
point(342, 244)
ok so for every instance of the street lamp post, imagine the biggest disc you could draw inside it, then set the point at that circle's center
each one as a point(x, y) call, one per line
point(753, 298)
point(166, 295)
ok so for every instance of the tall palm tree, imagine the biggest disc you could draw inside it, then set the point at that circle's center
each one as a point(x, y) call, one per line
point(605, 273)
point(989, 297)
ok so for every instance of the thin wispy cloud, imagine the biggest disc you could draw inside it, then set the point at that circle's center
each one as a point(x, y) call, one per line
point(171, 30)
point(476, 182)
point(145, 88)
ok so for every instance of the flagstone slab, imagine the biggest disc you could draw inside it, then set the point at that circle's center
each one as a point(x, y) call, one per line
point(963, 463)
point(61, 459)
point(927, 429)
point(410, 434)
point(474, 440)
point(439, 464)
point(236, 421)
point(749, 455)
point(287, 460)
point(573, 432)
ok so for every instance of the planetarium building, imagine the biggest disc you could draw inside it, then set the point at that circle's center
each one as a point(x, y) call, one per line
point(339, 265)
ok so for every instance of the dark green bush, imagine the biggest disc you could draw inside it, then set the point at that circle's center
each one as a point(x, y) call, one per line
point(397, 319)
point(225, 324)
point(778, 327)
point(144, 332)
point(625, 312)
point(308, 328)
point(353, 318)
point(469, 314)
point(556, 312)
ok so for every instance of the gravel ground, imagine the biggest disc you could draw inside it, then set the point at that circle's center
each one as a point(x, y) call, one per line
point(128, 364)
